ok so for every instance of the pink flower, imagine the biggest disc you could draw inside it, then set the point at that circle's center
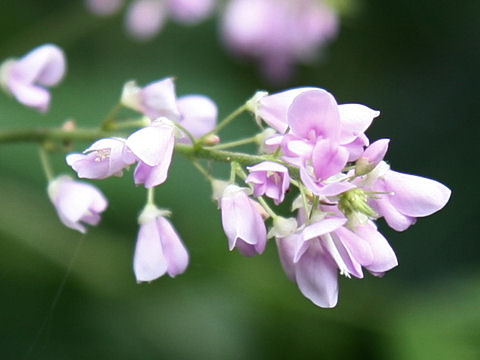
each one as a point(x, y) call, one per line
point(406, 197)
point(159, 249)
point(26, 78)
point(313, 257)
point(153, 147)
point(76, 202)
point(154, 100)
point(269, 178)
point(241, 222)
point(190, 12)
point(371, 157)
point(273, 109)
point(104, 158)
point(198, 114)
point(278, 33)
point(145, 18)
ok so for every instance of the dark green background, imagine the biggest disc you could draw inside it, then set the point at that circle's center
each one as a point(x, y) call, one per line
point(416, 61)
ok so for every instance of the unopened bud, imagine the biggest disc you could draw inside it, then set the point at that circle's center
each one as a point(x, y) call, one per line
point(354, 201)
point(211, 140)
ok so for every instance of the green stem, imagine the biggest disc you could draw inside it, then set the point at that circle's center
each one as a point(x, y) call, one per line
point(235, 143)
point(151, 196)
point(233, 171)
point(225, 122)
point(131, 123)
point(47, 167)
point(267, 208)
point(305, 202)
point(40, 135)
point(109, 122)
point(202, 170)
point(188, 133)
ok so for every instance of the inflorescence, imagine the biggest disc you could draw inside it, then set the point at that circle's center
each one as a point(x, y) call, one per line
point(307, 144)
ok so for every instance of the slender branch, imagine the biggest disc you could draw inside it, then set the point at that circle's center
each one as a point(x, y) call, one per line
point(39, 135)
point(47, 167)
point(235, 143)
point(186, 132)
point(202, 170)
point(43, 134)
point(151, 196)
point(225, 122)
point(109, 121)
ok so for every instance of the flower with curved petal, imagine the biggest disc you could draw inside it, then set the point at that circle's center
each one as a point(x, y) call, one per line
point(27, 77)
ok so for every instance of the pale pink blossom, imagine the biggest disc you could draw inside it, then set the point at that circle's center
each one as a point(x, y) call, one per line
point(77, 203)
point(270, 179)
point(278, 33)
point(198, 114)
point(104, 158)
point(313, 257)
point(241, 222)
point(190, 11)
point(159, 249)
point(155, 100)
point(404, 197)
point(28, 77)
point(145, 18)
point(153, 147)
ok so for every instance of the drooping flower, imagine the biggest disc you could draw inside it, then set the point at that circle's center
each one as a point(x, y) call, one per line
point(159, 249)
point(278, 33)
point(198, 114)
point(242, 222)
point(269, 178)
point(404, 197)
point(153, 147)
point(146, 18)
point(155, 100)
point(313, 257)
point(104, 158)
point(27, 77)
point(77, 203)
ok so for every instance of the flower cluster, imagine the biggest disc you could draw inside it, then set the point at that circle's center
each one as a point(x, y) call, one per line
point(159, 249)
point(275, 33)
point(344, 184)
point(278, 33)
point(145, 18)
point(340, 183)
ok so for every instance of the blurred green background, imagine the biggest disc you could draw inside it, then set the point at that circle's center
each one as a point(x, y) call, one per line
point(416, 61)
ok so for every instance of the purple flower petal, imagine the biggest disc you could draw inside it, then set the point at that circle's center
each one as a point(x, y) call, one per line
point(286, 251)
point(149, 262)
point(316, 276)
point(355, 119)
point(273, 109)
point(198, 115)
point(152, 144)
point(190, 12)
point(314, 114)
point(384, 257)
point(328, 159)
point(416, 196)
point(174, 251)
